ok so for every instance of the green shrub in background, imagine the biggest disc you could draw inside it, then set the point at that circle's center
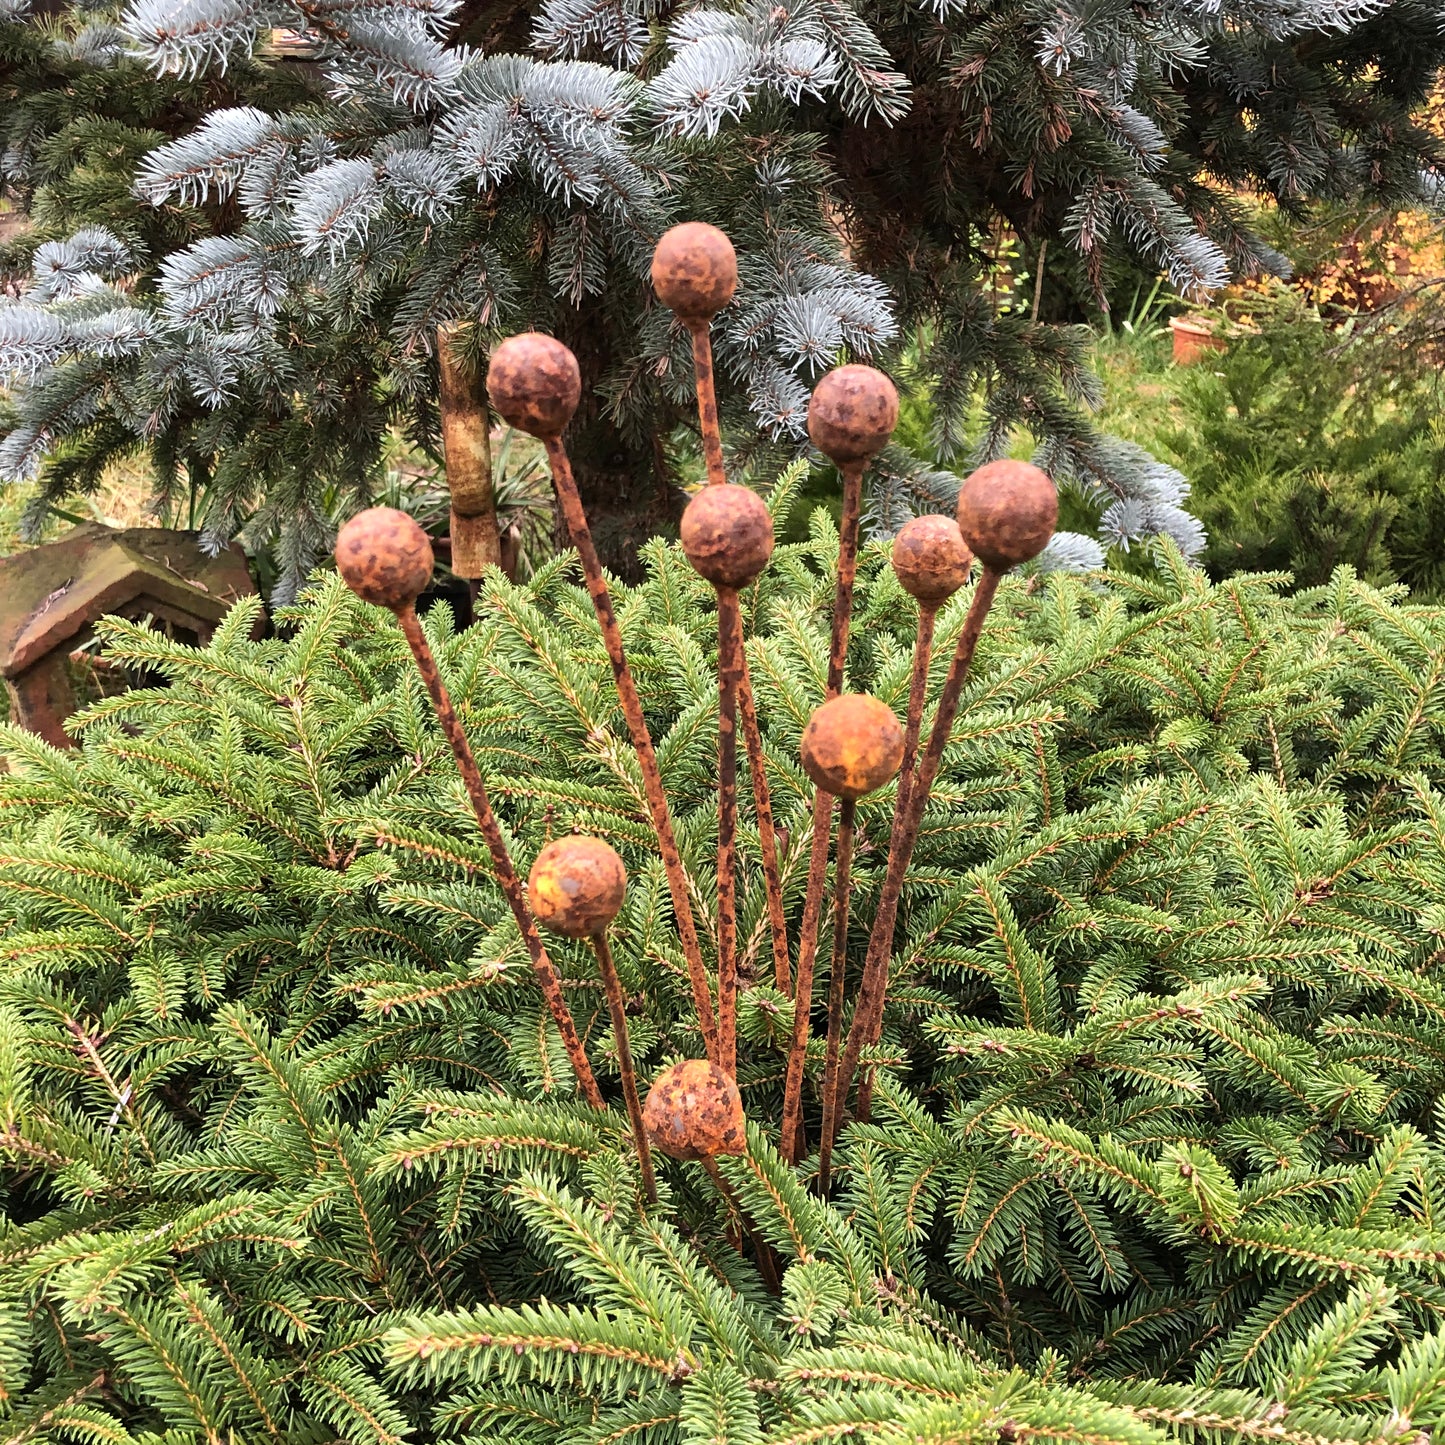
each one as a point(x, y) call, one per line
point(290, 1150)
point(1307, 447)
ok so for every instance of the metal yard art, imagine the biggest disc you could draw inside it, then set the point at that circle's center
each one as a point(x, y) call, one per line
point(852, 745)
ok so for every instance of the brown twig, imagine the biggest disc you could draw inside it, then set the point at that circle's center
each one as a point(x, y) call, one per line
point(907, 816)
point(729, 676)
point(617, 1008)
point(842, 879)
point(501, 860)
point(581, 535)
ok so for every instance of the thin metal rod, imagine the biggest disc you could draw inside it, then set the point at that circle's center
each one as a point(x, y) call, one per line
point(868, 1010)
point(617, 1008)
point(501, 859)
point(792, 1138)
point(729, 677)
point(842, 881)
point(701, 330)
point(581, 535)
point(793, 1142)
point(767, 1265)
point(917, 695)
point(767, 834)
point(752, 734)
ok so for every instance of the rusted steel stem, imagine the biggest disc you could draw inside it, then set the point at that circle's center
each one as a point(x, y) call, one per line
point(767, 835)
point(792, 1141)
point(729, 678)
point(917, 695)
point(767, 1265)
point(752, 734)
point(847, 574)
point(617, 1008)
point(701, 329)
point(501, 860)
point(868, 1010)
point(842, 881)
point(581, 535)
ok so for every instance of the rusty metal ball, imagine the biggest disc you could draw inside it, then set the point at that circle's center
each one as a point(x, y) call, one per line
point(852, 413)
point(576, 886)
point(534, 383)
point(694, 1111)
point(727, 534)
point(1007, 511)
point(384, 557)
point(931, 559)
point(852, 745)
point(695, 270)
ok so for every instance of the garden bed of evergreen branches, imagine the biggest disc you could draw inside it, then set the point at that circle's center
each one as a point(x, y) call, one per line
point(290, 1149)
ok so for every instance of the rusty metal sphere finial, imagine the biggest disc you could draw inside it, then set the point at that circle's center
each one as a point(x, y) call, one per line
point(694, 1111)
point(1007, 511)
point(852, 413)
point(534, 383)
point(695, 270)
point(930, 559)
point(576, 886)
point(384, 557)
point(727, 534)
point(852, 744)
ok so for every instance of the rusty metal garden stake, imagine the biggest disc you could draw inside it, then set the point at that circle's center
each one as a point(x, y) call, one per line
point(386, 559)
point(535, 385)
point(842, 881)
point(931, 561)
point(727, 535)
point(1006, 515)
point(851, 745)
point(694, 271)
point(466, 443)
point(576, 888)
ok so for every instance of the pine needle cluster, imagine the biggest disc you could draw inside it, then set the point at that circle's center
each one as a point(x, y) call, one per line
point(290, 1145)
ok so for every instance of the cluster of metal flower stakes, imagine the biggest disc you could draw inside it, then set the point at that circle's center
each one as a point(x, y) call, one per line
point(852, 745)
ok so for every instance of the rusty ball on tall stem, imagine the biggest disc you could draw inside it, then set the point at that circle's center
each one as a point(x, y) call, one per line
point(694, 270)
point(1007, 511)
point(852, 413)
point(727, 534)
point(852, 745)
point(534, 383)
point(694, 1111)
point(384, 557)
point(576, 886)
point(930, 559)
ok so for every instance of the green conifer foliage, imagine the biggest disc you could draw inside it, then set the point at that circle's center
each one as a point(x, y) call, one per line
point(291, 1151)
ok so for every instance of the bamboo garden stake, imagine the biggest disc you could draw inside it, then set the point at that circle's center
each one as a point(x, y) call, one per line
point(851, 746)
point(1006, 515)
point(385, 558)
point(467, 446)
point(576, 888)
point(695, 272)
point(535, 385)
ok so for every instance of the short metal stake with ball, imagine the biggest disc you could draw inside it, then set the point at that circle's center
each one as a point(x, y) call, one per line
point(851, 746)
point(695, 273)
point(535, 385)
point(1006, 514)
point(385, 558)
point(576, 888)
point(695, 1113)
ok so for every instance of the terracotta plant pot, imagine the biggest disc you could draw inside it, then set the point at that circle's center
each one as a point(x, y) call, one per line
point(1194, 339)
